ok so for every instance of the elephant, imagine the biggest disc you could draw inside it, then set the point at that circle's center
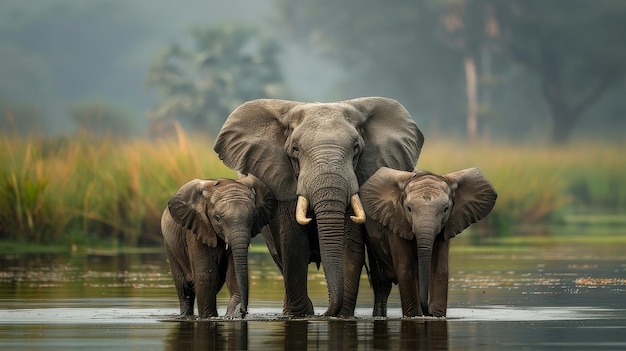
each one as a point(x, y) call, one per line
point(411, 218)
point(313, 157)
point(207, 227)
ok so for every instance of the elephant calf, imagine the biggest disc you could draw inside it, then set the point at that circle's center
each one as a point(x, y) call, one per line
point(206, 229)
point(411, 218)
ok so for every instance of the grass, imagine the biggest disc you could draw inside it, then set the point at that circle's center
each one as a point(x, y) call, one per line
point(84, 191)
point(105, 192)
point(537, 183)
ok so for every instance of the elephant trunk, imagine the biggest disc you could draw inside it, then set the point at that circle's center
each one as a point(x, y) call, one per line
point(239, 249)
point(329, 204)
point(424, 255)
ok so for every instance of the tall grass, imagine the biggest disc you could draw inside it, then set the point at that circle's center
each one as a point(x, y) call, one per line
point(83, 191)
point(538, 183)
point(103, 191)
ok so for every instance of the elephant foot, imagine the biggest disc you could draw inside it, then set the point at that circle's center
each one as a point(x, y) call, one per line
point(300, 313)
point(331, 312)
point(235, 313)
point(303, 313)
point(208, 315)
point(380, 310)
point(299, 310)
point(234, 305)
point(185, 317)
point(347, 311)
point(334, 309)
point(438, 310)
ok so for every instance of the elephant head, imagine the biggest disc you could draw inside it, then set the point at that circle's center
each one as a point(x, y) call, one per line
point(319, 153)
point(231, 210)
point(421, 206)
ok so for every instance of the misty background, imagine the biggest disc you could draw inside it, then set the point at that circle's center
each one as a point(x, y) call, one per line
point(477, 69)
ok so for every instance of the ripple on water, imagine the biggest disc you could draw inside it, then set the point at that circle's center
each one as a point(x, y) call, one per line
point(151, 315)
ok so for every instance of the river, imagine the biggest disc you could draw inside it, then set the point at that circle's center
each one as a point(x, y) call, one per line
point(530, 295)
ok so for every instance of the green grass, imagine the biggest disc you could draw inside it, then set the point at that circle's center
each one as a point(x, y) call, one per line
point(537, 183)
point(105, 192)
point(80, 191)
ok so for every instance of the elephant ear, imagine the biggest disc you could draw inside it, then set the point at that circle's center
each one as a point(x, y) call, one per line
point(183, 207)
point(252, 140)
point(265, 202)
point(474, 199)
point(382, 197)
point(392, 139)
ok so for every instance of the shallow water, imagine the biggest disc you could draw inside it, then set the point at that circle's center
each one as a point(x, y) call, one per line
point(569, 297)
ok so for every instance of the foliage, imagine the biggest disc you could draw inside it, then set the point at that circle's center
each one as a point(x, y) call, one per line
point(101, 119)
point(573, 46)
point(541, 65)
point(82, 191)
point(227, 66)
point(537, 183)
point(19, 119)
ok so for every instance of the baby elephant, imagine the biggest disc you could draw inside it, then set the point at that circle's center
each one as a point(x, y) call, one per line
point(206, 228)
point(411, 218)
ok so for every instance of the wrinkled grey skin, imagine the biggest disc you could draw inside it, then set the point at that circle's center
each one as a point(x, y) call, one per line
point(320, 152)
point(411, 218)
point(206, 229)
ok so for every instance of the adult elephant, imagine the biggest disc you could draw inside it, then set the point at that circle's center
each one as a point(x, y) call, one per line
point(207, 227)
point(317, 155)
point(412, 217)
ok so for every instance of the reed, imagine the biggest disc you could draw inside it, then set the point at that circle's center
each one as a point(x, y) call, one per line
point(82, 190)
point(85, 191)
point(537, 183)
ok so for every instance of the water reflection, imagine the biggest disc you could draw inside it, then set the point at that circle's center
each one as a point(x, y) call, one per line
point(300, 334)
point(231, 335)
point(531, 297)
point(414, 334)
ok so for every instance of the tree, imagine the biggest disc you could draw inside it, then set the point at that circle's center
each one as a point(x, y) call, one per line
point(386, 48)
point(227, 66)
point(439, 57)
point(574, 46)
point(472, 28)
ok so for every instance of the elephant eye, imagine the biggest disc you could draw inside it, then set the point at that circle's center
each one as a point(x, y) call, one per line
point(408, 208)
point(295, 150)
point(218, 218)
point(357, 147)
point(445, 209)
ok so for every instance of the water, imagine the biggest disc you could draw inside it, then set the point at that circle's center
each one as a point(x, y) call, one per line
point(569, 296)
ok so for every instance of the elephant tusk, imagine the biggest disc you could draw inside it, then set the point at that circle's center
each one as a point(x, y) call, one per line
point(301, 208)
point(359, 214)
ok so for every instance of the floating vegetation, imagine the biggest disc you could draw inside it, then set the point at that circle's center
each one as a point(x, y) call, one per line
point(600, 282)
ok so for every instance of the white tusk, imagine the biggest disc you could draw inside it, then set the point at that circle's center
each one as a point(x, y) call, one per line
point(301, 208)
point(359, 214)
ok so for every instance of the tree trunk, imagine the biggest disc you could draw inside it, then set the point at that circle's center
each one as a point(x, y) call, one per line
point(564, 116)
point(472, 97)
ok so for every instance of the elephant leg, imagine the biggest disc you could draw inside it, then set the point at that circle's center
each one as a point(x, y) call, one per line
point(381, 269)
point(294, 256)
point(233, 289)
point(405, 264)
point(354, 258)
point(206, 276)
point(379, 282)
point(439, 276)
point(272, 241)
point(183, 283)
